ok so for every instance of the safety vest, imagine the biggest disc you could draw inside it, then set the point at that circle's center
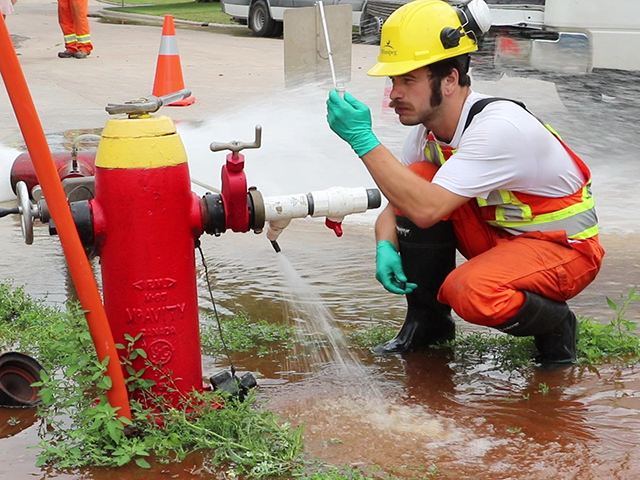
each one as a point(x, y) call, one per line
point(518, 212)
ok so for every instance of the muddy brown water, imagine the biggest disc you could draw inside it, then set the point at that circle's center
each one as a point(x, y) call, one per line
point(468, 421)
point(429, 413)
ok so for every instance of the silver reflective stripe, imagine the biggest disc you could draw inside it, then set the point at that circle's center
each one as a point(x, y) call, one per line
point(495, 198)
point(573, 225)
point(511, 213)
point(84, 39)
point(168, 45)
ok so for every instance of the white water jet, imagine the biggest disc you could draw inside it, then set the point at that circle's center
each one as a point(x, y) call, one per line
point(320, 337)
point(7, 157)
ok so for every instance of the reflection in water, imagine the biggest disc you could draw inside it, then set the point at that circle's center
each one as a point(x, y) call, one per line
point(15, 420)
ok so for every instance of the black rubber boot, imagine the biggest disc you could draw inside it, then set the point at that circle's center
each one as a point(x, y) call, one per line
point(553, 326)
point(428, 256)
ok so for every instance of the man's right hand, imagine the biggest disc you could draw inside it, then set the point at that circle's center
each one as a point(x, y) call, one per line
point(351, 120)
point(389, 270)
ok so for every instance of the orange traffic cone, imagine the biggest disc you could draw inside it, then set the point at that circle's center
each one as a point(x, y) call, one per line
point(168, 69)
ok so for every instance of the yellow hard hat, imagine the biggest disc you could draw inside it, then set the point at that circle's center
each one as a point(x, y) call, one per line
point(423, 32)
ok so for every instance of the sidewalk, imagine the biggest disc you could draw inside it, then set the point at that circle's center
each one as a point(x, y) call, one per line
point(224, 68)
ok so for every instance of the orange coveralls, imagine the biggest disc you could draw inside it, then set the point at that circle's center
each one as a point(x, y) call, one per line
point(72, 16)
point(487, 289)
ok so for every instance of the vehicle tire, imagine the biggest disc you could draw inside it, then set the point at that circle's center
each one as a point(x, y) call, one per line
point(260, 21)
point(370, 28)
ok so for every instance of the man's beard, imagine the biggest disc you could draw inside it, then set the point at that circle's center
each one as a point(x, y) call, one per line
point(435, 101)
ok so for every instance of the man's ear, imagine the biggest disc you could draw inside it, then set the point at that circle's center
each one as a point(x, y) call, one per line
point(450, 82)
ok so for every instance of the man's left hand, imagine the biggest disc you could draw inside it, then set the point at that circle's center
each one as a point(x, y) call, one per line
point(351, 120)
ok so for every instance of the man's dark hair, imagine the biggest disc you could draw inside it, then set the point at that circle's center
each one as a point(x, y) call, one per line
point(441, 69)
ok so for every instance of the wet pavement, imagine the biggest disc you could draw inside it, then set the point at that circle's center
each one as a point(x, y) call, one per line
point(428, 414)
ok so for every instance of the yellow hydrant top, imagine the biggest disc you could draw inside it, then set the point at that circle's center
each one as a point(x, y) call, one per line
point(140, 142)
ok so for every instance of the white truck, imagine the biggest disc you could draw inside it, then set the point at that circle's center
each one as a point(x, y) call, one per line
point(265, 17)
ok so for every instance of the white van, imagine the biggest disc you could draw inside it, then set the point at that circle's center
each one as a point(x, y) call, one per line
point(264, 17)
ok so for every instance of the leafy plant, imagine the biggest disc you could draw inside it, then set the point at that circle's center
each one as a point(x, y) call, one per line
point(80, 428)
point(616, 340)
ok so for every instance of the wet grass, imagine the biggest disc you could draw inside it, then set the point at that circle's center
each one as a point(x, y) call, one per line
point(188, 10)
point(597, 343)
point(80, 429)
point(242, 334)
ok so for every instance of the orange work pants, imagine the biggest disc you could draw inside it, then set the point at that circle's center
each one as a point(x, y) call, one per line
point(487, 288)
point(72, 16)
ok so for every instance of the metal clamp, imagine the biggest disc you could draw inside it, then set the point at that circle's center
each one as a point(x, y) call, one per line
point(143, 106)
point(236, 146)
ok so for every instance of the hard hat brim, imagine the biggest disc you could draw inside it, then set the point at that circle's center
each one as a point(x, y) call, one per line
point(392, 69)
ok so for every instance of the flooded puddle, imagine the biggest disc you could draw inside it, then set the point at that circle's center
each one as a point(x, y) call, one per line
point(414, 416)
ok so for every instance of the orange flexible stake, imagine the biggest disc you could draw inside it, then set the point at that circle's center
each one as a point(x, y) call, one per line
point(77, 260)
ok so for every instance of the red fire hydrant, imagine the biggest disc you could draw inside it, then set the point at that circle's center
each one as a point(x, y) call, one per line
point(145, 223)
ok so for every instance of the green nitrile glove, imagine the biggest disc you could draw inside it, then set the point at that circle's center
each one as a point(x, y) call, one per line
point(351, 120)
point(389, 270)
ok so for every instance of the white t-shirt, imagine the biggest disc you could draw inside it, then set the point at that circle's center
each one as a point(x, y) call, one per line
point(504, 148)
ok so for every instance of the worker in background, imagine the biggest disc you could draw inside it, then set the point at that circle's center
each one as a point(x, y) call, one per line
point(6, 7)
point(477, 173)
point(72, 16)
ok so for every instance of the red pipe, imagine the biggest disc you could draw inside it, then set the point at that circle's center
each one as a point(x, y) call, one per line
point(77, 260)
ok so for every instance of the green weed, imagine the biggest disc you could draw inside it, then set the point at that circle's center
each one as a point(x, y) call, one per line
point(372, 335)
point(614, 341)
point(597, 343)
point(80, 428)
point(241, 334)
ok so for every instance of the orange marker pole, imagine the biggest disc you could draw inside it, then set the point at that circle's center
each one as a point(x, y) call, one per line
point(77, 260)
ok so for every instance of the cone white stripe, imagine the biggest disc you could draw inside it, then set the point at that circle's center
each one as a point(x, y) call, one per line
point(168, 45)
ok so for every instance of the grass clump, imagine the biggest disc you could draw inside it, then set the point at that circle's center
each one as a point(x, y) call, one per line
point(597, 343)
point(209, 12)
point(505, 352)
point(81, 429)
point(30, 327)
point(372, 335)
point(241, 334)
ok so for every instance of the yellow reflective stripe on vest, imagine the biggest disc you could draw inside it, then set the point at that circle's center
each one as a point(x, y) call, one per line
point(579, 221)
point(434, 154)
